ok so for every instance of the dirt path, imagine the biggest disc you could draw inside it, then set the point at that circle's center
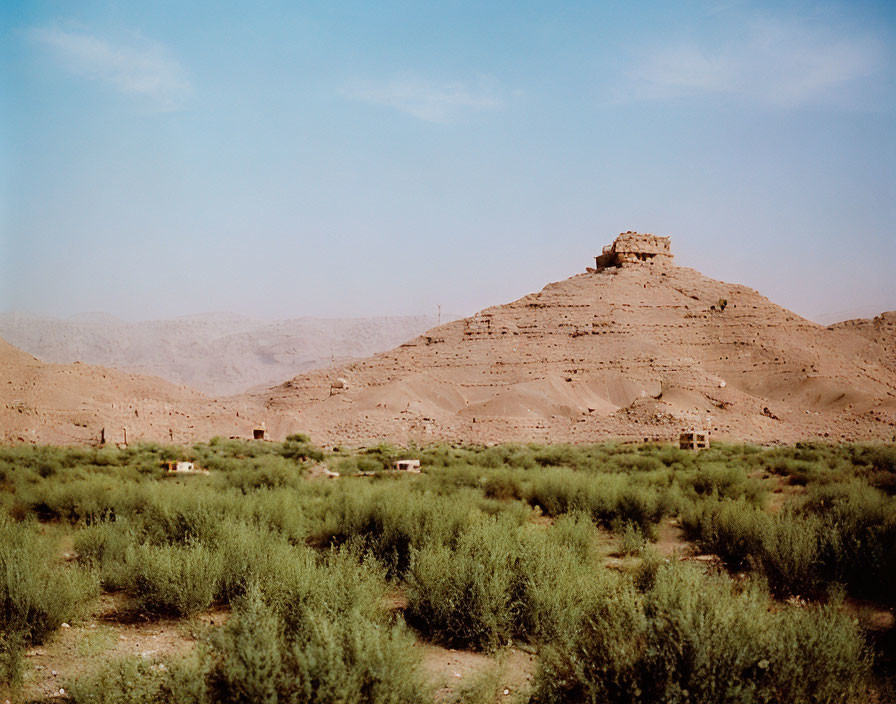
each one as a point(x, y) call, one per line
point(106, 635)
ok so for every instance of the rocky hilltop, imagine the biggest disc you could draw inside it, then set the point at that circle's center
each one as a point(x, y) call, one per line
point(636, 347)
point(880, 330)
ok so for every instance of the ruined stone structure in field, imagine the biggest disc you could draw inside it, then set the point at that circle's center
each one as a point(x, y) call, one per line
point(632, 248)
point(694, 440)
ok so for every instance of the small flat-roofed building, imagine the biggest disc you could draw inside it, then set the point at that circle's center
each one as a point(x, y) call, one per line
point(407, 465)
point(183, 467)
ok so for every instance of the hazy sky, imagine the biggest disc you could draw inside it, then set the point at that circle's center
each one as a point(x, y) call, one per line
point(348, 159)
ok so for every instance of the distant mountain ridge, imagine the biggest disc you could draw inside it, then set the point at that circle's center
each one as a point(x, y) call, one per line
point(217, 353)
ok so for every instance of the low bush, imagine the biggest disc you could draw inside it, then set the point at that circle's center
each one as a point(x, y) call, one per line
point(476, 603)
point(725, 481)
point(320, 658)
point(123, 681)
point(506, 581)
point(607, 498)
point(12, 653)
point(36, 592)
point(698, 639)
point(180, 580)
point(840, 534)
point(631, 540)
point(733, 530)
point(390, 520)
point(136, 680)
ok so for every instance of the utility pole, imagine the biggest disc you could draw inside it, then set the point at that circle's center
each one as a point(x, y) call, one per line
point(440, 314)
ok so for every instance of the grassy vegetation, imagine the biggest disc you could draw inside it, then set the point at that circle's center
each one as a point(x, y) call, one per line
point(488, 547)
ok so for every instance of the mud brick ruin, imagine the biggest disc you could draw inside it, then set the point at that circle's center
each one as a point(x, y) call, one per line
point(634, 247)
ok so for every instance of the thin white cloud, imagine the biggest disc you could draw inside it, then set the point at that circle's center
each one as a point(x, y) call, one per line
point(773, 62)
point(429, 100)
point(143, 69)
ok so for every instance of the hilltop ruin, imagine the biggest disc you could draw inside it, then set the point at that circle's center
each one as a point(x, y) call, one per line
point(634, 248)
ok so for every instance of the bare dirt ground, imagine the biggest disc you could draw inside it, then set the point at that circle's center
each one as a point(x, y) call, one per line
point(109, 633)
point(508, 675)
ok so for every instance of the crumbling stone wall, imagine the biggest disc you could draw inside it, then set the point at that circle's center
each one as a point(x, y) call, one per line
point(634, 247)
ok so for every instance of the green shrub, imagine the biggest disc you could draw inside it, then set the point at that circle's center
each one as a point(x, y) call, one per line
point(503, 581)
point(607, 498)
point(103, 547)
point(174, 579)
point(556, 581)
point(859, 538)
point(121, 681)
point(791, 555)
point(389, 520)
point(632, 540)
point(339, 584)
point(266, 472)
point(503, 486)
point(12, 652)
point(725, 481)
point(323, 658)
point(597, 657)
point(733, 530)
point(476, 601)
point(840, 534)
point(299, 447)
point(696, 638)
point(576, 532)
point(36, 593)
point(135, 680)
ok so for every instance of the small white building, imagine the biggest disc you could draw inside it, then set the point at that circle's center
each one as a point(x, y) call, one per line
point(407, 465)
point(181, 467)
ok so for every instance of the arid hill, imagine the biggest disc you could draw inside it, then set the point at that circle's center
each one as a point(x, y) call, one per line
point(216, 353)
point(635, 348)
point(880, 330)
point(72, 403)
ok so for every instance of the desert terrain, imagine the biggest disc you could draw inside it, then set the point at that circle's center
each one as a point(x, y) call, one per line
point(637, 351)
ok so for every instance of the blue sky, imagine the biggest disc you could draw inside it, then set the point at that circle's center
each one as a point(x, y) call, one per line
point(353, 159)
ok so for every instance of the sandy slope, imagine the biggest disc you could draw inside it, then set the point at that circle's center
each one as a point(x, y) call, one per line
point(68, 404)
